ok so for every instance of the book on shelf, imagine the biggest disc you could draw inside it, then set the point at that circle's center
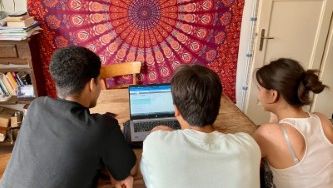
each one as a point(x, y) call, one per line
point(3, 89)
point(23, 23)
point(1, 92)
point(11, 80)
point(5, 29)
point(6, 84)
point(24, 77)
point(10, 18)
point(16, 31)
point(18, 80)
point(19, 35)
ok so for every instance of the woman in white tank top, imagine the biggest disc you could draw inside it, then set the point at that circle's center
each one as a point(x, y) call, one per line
point(297, 145)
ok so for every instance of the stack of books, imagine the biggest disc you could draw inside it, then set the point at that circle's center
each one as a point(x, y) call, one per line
point(18, 26)
point(15, 84)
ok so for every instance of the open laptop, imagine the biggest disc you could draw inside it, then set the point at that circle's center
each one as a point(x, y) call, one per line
point(150, 105)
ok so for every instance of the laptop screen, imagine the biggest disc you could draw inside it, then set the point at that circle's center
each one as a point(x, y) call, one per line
point(151, 101)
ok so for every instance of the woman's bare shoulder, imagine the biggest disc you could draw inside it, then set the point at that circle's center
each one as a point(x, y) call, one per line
point(267, 129)
point(266, 135)
point(327, 126)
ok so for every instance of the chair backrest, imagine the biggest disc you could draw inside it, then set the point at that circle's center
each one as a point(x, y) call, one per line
point(121, 69)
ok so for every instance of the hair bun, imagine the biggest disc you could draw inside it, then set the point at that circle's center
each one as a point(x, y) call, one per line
point(311, 81)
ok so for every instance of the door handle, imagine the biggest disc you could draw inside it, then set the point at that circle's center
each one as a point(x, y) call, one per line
point(262, 38)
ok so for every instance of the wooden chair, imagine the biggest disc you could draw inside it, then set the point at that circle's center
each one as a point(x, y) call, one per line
point(120, 69)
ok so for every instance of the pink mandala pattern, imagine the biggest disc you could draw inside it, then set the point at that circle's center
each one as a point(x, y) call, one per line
point(161, 33)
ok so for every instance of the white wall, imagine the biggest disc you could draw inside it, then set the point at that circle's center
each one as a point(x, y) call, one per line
point(19, 5)
point(245, 51)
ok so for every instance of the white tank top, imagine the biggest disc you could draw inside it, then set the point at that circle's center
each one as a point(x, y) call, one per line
point(315, 169)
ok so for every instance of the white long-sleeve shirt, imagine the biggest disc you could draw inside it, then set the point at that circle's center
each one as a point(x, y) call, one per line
point(189, 158)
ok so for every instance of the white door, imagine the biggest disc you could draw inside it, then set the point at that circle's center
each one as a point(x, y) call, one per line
point(295, 29)
point(324, 102)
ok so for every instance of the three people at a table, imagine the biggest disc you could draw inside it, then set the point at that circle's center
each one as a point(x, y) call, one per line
point(61, 144)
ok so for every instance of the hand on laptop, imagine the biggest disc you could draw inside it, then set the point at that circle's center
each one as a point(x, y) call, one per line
point(162, 128)
point(111, 114)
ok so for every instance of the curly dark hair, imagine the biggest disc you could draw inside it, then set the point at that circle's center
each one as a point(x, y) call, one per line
point(72, 67)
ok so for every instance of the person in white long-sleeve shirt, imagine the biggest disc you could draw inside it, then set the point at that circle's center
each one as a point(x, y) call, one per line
point(197, 155)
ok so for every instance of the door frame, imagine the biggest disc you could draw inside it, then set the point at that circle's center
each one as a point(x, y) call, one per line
point(245, 52)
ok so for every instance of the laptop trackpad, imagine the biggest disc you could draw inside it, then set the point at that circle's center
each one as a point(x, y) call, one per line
point(141, 128)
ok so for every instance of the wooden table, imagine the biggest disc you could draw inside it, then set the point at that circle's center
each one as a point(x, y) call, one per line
point(230, 119)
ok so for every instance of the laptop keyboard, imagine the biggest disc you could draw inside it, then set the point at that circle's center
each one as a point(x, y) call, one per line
point(148, 126)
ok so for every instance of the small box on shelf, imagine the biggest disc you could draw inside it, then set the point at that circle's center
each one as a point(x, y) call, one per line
point(25, 92)
point(5, 114)
point(3, 132)
point(16, 120)
point(10, 122)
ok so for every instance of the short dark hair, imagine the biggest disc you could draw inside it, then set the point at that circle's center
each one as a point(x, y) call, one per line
point(290, 80)
point(72, 67)
point(196, 92)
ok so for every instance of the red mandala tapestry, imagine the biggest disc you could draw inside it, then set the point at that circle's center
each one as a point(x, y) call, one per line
point(160, 33)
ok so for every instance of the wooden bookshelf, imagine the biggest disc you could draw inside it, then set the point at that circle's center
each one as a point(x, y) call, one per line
point(21, 56)
point(14, 100)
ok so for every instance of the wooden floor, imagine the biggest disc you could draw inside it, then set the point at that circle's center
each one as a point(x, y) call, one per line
point(5, 152)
